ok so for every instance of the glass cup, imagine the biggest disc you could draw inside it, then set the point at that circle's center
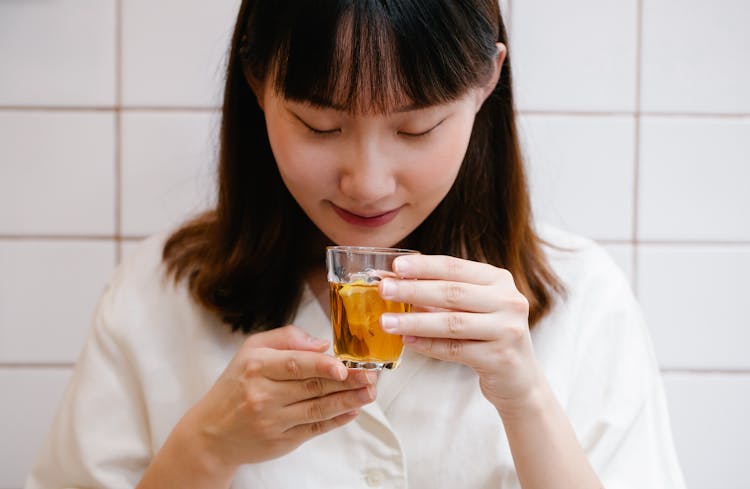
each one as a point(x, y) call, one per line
point(356, 306)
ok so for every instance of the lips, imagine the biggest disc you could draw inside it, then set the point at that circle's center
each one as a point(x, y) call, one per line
point(366, 219)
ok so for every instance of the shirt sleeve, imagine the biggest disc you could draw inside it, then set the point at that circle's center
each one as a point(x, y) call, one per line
point(616, 402)
point(100, 436)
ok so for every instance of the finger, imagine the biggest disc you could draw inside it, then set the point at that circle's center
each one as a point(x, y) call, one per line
point(441, 267)
point(286, 338)
point(295, 365)
point(467, 352)
point(294, 391)
point(326, 407)
point(453, 325)
point(303, 432)
point(457, 296)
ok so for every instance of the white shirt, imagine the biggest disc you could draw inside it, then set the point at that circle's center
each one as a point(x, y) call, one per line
point(153, 353)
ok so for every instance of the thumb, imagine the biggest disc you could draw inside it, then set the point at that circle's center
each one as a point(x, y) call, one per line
point(286, 338)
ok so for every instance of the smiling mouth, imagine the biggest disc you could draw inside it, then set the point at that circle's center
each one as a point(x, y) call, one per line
point(369, 220)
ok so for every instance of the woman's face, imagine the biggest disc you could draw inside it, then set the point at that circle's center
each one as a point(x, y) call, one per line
point(369, 180)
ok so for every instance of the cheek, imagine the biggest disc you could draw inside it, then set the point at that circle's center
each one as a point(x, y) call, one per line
point(300, 163)
point(440, 163)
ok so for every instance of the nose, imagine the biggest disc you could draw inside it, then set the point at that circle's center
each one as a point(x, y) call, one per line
point(368, 176)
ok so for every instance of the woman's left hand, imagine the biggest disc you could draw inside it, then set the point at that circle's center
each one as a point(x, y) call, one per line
point(470, 313)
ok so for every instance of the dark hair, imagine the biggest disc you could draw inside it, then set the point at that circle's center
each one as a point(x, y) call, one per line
point(246, 260)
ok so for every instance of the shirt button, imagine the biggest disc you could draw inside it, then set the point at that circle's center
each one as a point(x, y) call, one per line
point(374, 477)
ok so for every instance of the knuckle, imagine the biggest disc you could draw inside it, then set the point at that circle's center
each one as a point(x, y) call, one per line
point(453, 265)
point(453, 293)
point(315, 428)
point(252, 365)
point(314, 386)
point(315, 410)
point(505, 275)
point(519, 303)
point(291, 366)
point(515, 333)
point(454, 348)
point(256, 402)
point(455, 324)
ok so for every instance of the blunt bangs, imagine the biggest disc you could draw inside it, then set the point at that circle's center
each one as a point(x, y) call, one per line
point(371, 56)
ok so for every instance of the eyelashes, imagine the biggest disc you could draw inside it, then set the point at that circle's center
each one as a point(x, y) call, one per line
point(423, 133)
point(328, 132)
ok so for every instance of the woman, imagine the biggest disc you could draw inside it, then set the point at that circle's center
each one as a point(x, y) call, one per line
point(378, 124)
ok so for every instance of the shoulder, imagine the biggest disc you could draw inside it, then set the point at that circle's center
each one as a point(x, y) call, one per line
point(598, 309)
point(141, 273)
point(141, 298)
point(585, 268)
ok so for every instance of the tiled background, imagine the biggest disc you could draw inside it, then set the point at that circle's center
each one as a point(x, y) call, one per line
point(635, 115)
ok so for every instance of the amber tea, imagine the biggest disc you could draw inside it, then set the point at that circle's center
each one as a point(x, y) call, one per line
point(358, 339)
point(354, 273)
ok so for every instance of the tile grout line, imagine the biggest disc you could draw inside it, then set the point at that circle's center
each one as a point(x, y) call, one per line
point(705, 371)
point(57, 237)
point(107, 108)
point(637, 142)
point(509, 18)
point(40, 365)
point(531, 112)
point(118, 131)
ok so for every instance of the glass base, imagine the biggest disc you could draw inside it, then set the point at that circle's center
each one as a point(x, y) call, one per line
point(370, 365)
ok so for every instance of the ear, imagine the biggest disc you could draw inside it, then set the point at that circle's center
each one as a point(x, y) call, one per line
point(489, 87)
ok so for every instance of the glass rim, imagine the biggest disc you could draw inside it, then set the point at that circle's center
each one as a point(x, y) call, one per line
point(364, 250)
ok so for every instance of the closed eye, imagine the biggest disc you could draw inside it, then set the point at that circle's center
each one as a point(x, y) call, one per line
point(315, 130)
point(418, 134)
point(322, 132)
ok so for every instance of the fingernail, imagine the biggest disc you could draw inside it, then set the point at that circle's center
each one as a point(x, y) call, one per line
point(340, 372)
point(389, 323)
point(388, 288)
point(401, 265)
point(409, 339)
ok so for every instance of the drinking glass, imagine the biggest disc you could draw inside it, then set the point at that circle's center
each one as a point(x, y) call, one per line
point(356, 306)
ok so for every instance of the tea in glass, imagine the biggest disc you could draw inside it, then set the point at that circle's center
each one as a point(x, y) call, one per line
point(356, 306)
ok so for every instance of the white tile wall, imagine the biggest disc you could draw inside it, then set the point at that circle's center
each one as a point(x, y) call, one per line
point(57, 172)
point(168, 168)
point(574, 56)
point(581, 172)
point(695, 178)
point(588, 88)
point(695, 299)
point(30, 399)
point(48, 290)
point(57, 52)
point(173, 51)
point(695, 56)
point(709, 419)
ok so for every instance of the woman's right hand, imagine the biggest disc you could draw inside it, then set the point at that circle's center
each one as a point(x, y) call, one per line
point(278, 391)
